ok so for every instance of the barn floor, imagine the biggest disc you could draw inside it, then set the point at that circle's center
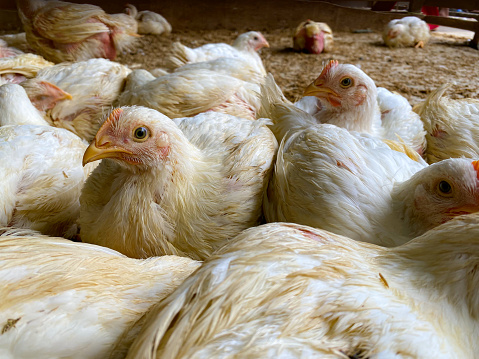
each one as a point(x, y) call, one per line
point(411, 72)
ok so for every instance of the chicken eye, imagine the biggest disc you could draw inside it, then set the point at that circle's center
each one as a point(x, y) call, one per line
point(140, 134)
point(255, 38)
point(346, 82)
point(444, 188)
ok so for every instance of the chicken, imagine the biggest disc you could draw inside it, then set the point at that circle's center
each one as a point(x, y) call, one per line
point(6, 51)
point(190, 92)
point(291, 291)
point(236, 67)
point(149, 22)
point(182, 187)
point(354, 185)
point(42, 177)
point(452, 126)
point(19, 68)
point(313, 37)
point(63, 31)
point(349, 99)
point(406, 32)
point(62, 299)
point(245, 46)
point(84, 92)
point(16, 108)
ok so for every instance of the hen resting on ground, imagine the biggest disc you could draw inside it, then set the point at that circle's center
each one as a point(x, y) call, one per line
point(354, 185)
point(149, 22)
point(349, 99)
point(245, 46)
point(452, 126)
point(62, 299)
point(42, 178)
point(19, 68)
point(190, 92)
point(291, 291)
point(406, 32)
point(91, 85)
point(166, 188)
point(313, 37)
point(62, 31)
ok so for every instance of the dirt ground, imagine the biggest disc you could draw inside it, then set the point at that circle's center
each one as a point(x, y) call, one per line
point(411, 72)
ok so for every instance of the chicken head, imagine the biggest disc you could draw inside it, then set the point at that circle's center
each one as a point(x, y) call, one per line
point(439, 193)
point(130, 141)
point(252, 40)
point(43, 94)
point(342, 87)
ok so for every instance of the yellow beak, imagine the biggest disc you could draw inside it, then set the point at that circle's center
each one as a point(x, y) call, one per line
point(313, 90)
point(94, 153)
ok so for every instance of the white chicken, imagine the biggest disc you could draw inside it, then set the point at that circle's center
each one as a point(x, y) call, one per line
point(91, 85)
point(149, 22)
point(313, 37)
point(42, 177)
point(16, 108)
point(355, 185)
point(349, 99)
point(190, 92)
point(182, 187)
point(19, 68)
point(62, 299)
point(63, 31)
point(452, 126)
point(245, 46)
point(406, 32)
point(291, 291)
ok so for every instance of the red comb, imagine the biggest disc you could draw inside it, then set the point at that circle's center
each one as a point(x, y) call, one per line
point(475, 164)
point(112, 117)
point(329, 66)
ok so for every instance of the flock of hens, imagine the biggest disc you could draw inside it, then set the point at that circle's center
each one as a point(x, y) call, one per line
point(195, 212)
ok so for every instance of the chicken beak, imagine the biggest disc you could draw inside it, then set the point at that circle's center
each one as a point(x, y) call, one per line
point(323, 92)
point(95, 153)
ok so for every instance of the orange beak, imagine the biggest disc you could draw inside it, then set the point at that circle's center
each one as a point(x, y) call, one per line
point(102, 148)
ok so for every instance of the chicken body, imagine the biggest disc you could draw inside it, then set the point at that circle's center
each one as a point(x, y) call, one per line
point(62, 299)
point(190, 92)
point(19, 68)
point(184, 188)
point(92, 86)
point(236, 67)
point(245, 47)
point(42, 178)
point(452, 126)
point(355, 185)
point(62, 31)
point(406, 32)
point(16, 108)
point(313, 37)
point(149, 22)
point(349, 99)
point(291, 291)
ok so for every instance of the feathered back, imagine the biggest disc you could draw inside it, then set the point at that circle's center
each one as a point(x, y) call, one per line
point(286, 118)
point(286, 290)
point(452, 126)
